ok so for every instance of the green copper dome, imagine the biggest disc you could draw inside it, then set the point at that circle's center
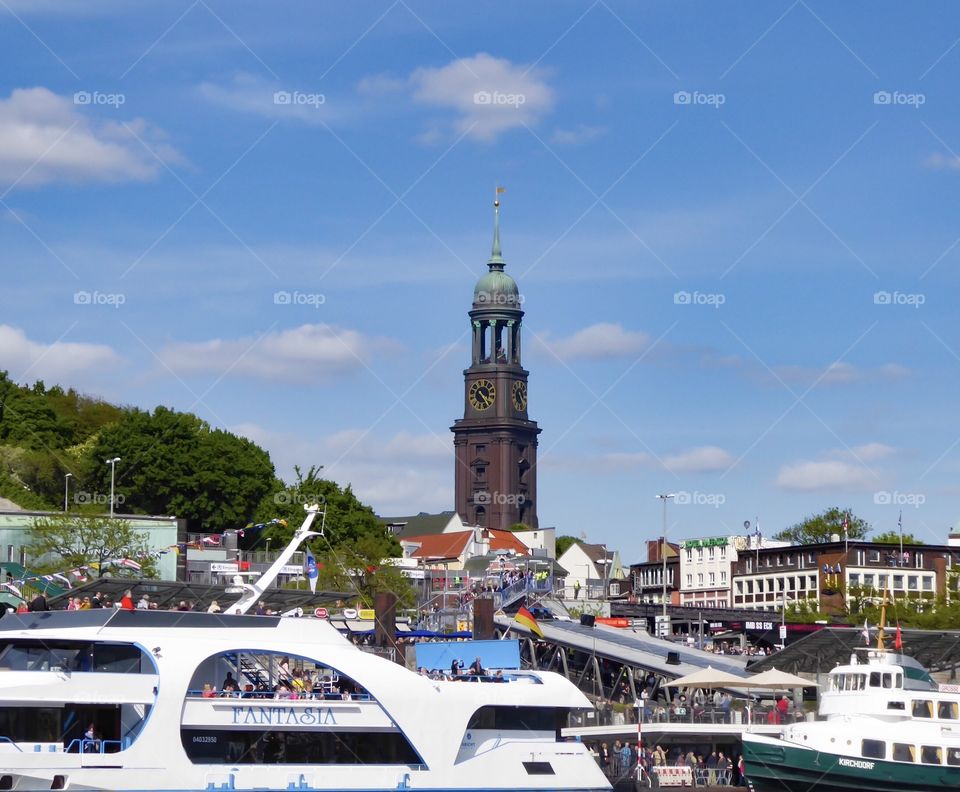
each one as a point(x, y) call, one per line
point(496, 289)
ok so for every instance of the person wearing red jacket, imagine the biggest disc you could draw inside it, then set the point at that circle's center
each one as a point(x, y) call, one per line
point(126, 601)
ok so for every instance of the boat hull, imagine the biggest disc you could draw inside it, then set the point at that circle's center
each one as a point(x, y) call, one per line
point(775, 766)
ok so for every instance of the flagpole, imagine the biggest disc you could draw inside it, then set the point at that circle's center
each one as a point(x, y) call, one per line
point(900, 524)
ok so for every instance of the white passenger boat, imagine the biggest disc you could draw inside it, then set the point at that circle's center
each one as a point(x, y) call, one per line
point(887, 726)
point(134, 700)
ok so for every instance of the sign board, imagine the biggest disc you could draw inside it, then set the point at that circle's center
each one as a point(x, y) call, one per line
point(783, 633)
point(224, 566)
point(320, 613)
point(715, 541)
point(349, 613)
point(367, 614)
point(663, 625)
point(413, 574)
point(291, 569)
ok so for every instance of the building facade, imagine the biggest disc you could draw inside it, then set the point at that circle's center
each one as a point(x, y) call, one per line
point(495, 443)
point(647, 578)
point(705, 571)
point(823, 574)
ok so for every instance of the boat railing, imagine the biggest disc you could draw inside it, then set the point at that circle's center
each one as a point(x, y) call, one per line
point(85, 745)
point(8, 740)
point(318, 694)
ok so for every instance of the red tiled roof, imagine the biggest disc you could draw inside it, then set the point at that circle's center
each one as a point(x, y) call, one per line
point(506, 540)
point(449, 545)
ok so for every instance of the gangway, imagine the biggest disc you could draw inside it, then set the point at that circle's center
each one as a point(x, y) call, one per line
point(628, 648)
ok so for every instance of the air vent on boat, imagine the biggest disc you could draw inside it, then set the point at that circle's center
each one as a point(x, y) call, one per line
point(6, 782)
point(538, 768)
point(59, 782)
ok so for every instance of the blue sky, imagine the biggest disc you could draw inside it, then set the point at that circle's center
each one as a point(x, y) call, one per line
point(734, 228)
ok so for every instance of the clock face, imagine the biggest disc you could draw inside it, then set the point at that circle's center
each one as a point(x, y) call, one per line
point(520, 395)
point(482, 394)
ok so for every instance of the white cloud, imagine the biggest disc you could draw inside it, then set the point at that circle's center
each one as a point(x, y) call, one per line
point(46, 138)
point(869, 452)
point(704, 459)
point(249, 93)
point(378, 468)
point(489, 95)
point(581, 133)
point(57, 362)
point(822, 475)
point(310, 352)
point(940, 162)
point(599, 341)
point(841, 373)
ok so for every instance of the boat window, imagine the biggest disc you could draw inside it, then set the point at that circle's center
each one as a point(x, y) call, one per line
point(874, 679)
point(516, 718)
point(887, 680)
point(269, 675)
point(210, 746)
point(897, 705)
point(922, 709)
point(107, 658)
point(947, 710)
point(538, 768)
point(873, 749)
point(953, 757)
point(930, 754)
point(903, 752)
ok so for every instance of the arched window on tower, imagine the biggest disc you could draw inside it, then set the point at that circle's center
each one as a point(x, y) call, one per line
point(501, 352)
point(481, 516)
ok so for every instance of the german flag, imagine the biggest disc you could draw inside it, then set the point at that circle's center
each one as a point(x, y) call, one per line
point(525, 619)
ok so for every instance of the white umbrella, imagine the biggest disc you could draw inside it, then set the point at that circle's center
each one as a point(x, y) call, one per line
point(708, 678)
point(778, 680)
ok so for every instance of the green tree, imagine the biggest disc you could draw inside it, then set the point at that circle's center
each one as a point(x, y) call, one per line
point(174, 463)
point(66, 541)
point(360, 567)
point(819, 528)
point(563, 544)
point(893, 537)
point(346, 520)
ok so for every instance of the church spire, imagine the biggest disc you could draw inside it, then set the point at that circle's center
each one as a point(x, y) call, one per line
point(496, 258)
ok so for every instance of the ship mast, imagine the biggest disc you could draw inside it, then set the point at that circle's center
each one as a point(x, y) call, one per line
point(883, 618)
point(256, 590)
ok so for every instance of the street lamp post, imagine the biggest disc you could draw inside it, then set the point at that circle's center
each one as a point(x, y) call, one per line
point(113, 470)
point(66, 491)
point(663, 549)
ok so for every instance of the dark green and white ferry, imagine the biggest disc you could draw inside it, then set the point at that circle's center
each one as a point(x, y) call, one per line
point(886, 726)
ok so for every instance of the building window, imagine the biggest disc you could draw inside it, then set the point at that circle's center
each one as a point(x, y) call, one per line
point(919, 560)
point(23, 556)
point(700, 579)
point(481, 449)
point(749, 565)
point(699, 554)
point(689, 555)
point(927, 583)
point(723, 552)
point(854, 579)
point(812, 582)
point(812, 558)
point(912, 582)
point(713, 579)
point(9, 552)
point(882, 581)
point(689, 580)
point(801, 583)
point(739, 587)
point(710, 553)
point(723, 578)
point(898, 582)
point(868, 581)
point(874, 557)
point(769, 561)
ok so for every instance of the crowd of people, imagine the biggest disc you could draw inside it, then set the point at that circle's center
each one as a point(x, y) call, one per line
point(626, 759)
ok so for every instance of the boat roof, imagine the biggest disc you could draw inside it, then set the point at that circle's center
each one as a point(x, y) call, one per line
point(934, 650)
point(167, 593)
point(133, 619)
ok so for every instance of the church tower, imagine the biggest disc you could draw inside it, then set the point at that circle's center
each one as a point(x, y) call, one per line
point(495, 442)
